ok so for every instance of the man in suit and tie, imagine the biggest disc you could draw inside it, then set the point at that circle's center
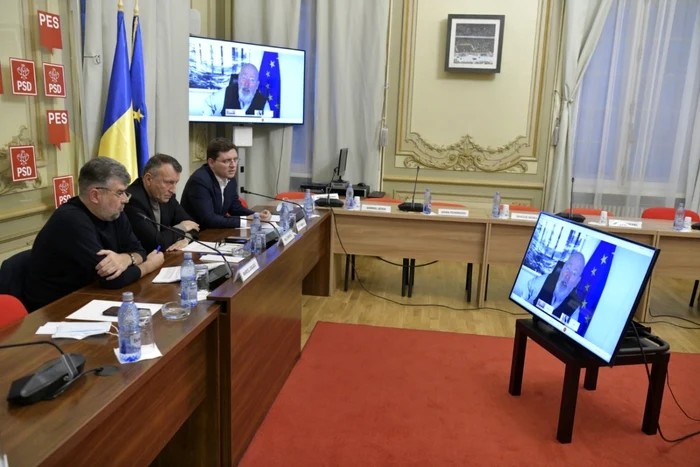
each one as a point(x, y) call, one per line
point(153, 195)
point(211, 193)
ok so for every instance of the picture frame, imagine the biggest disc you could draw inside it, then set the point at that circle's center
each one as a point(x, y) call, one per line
point(474, 43)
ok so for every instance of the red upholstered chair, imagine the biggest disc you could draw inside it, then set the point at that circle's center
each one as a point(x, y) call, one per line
point(243, 202)
point(588, 212)
point(11, 309)
point(290, 195)
point(663, 213)
point(521, 208)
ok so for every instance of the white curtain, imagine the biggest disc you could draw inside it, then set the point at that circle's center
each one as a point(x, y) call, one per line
point(637, 141)
point(350, 39)
point(583, 25)
point(165, 31)
point(276, 23)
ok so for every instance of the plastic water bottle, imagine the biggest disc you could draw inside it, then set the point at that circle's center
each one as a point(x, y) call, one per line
point(308, 203)
point(258, 240)
point(496, 208)
point(284, 218)
point(129, 329)
point(255, 227)
point(349, 196)
point(427, 202)
point(188, 282)
point(679, 218)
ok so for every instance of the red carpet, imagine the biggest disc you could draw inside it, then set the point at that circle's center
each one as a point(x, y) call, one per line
point(373, 396)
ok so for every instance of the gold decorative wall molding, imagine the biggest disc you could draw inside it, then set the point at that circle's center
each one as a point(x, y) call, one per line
point(7, 186)
point(466, 155)
point(518, 155)
point(466, 182)
point(199, 140)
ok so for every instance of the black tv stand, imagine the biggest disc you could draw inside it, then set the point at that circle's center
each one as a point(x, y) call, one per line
point(575, 358)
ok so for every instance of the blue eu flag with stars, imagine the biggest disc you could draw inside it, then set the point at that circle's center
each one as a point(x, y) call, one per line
point(138, 96)
point(592, 283)
point(269, 78)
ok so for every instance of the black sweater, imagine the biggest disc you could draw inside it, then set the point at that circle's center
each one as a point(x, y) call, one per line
point(64, 255)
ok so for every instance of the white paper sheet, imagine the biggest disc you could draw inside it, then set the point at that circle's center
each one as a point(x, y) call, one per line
point(172, 274)
point(219, 259)
point(93, 310)
point(70, 330)
point(148, 352)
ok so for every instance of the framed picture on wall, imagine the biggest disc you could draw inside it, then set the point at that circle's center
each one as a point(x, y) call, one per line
point(474, 43)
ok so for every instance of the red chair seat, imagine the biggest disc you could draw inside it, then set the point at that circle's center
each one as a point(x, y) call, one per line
point(11, 309)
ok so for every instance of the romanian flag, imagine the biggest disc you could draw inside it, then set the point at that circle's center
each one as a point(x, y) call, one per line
point(138, 95)
point(118, 140)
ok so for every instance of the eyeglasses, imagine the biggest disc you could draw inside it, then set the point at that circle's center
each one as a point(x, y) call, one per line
point(246, 79)
point(118, 193)
point(228, 161)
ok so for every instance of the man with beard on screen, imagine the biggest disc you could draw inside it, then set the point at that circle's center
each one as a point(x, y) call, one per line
point(555, 292)
point(240, 95)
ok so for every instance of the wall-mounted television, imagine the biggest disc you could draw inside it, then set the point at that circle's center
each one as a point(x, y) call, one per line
point(583, 282)
point(237, 82)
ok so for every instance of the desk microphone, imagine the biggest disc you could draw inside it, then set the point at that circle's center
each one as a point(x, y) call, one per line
point(329, 202)
point(571, 215)
point(52, 378)
point(243, 190)
point(412, 206)
point(229, 272)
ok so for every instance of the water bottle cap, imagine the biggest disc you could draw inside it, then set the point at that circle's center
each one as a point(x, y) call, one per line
point(308, 190)
point(256, 216)
point(127, 296)
point(188, 255)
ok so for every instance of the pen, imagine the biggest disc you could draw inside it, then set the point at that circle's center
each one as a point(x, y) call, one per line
point(158, 249)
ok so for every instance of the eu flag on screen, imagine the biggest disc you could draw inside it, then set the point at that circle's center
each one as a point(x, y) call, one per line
point(592, 283)
point(117, 139)
point(269, 78)
point(138, 97)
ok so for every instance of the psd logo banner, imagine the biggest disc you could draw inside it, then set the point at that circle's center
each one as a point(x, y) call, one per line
point(49, 30)
point(57, 122)
point(54, 80)
point(23, 163)
point(23, 76)
point(62, 189)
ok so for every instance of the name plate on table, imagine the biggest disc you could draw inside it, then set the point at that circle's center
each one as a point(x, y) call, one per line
point(287, 237)
point(376, 208)
point(301, 225)
point(453, 212)
point(248, 269)
point(524, 216)
point(625, 223)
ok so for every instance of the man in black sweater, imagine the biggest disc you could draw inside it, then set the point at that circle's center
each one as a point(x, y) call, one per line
point(153, 196)
point(88, 238)
point(211, 193)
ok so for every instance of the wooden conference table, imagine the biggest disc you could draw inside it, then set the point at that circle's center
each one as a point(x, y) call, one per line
point(482, 240)
point(202, 401)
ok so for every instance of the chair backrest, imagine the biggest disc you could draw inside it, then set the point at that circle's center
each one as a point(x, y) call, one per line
point(383, 200)
point(11, 309)
point(13, 273)
point(443, 204)
point(521, 208)
point(588, 211)
point(243, 202)
point(290, 195)
point(669, 214)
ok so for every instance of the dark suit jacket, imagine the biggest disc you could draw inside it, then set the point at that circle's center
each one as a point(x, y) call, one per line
point(171, 214)
point(202, 199)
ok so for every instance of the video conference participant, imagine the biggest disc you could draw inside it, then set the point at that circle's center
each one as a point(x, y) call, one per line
point(153, 195)
point(558, 289)
point(211, 192)
point(240, 94)
point(88, 238)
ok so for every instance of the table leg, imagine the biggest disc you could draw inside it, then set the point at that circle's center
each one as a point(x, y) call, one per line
point(567, 411)
point(655, 394)
point(590, 381)
point(518, 363)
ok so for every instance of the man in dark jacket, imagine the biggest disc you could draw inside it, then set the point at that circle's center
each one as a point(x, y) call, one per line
point(211, 193)
point(153, 196)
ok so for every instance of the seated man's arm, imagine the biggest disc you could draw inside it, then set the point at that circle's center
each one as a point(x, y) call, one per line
point(236, 208)
point(200, 196)
point(146, 231)
point(534, 287)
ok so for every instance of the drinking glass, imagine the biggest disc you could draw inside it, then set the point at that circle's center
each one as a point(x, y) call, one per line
point(201, 272)
point(146, 324)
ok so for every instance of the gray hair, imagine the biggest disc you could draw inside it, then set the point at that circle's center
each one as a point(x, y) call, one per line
point(157, 161)
point(100, 171)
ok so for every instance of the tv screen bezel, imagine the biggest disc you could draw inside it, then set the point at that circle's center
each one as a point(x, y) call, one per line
point(232, 120)
point(640, 292)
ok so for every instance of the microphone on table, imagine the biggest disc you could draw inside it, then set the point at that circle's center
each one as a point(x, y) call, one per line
point(229, 271)
point(52, 378)
point(329, 202)
point(571, 215)
point(248, 192)
point(412, 206)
